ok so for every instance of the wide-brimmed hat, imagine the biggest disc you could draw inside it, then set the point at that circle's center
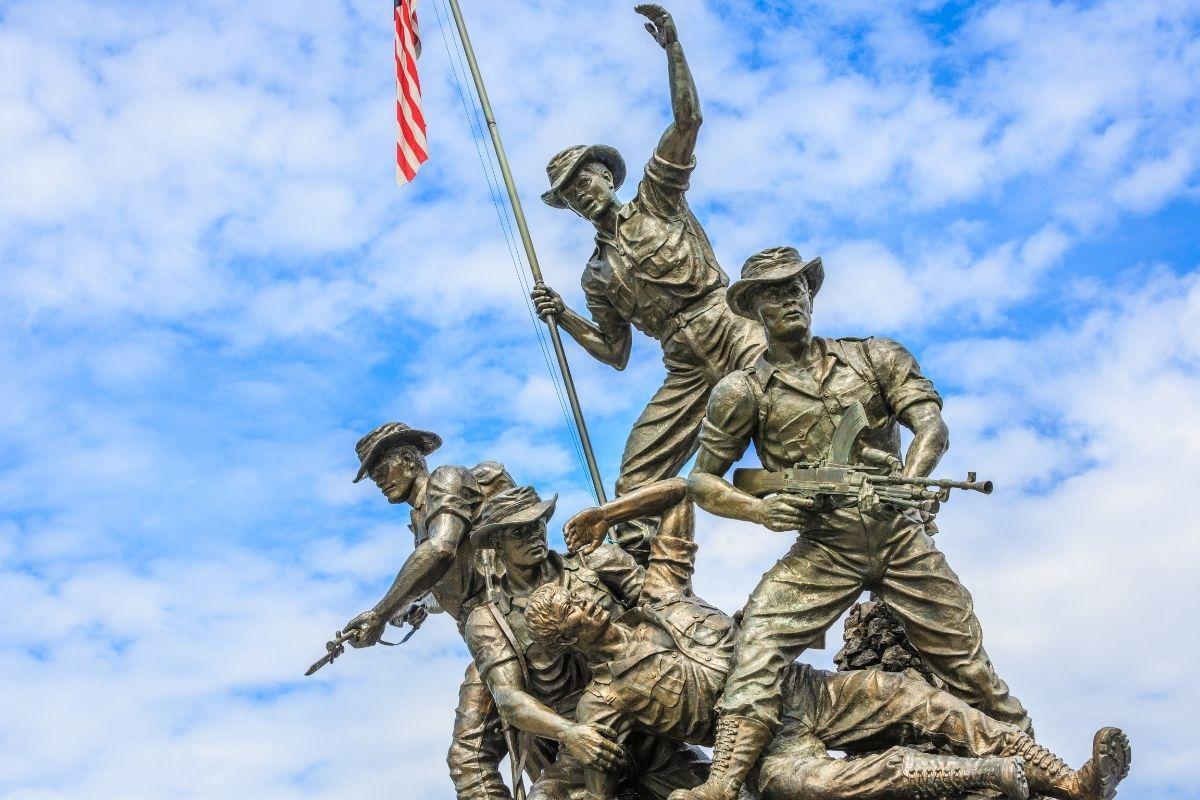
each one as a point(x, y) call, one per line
point(388, 436)
point(773, 265)
point(519, 506)
point(563, 166)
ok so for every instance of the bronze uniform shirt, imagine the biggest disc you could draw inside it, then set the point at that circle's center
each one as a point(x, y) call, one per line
point(660, 261)
point(671, 678)
point(791, 414)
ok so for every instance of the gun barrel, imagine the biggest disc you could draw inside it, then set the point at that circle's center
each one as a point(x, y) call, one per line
point(940, 483)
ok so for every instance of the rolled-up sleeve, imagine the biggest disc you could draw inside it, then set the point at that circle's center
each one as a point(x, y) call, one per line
point(663, 187)
point(488, 645)
point(731, 416)
point(899, 375)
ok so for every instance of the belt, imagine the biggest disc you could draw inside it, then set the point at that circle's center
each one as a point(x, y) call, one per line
point(680, 319)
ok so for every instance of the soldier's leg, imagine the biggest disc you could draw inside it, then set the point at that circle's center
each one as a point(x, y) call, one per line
point(872, 709)
point(790, 610)
point(662, 440)
point(891, 775)
point(938, 616)
point(562, 780)
point(662, 766)
point(478, 744)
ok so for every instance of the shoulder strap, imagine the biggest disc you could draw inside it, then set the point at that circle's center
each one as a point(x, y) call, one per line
point(516, 747)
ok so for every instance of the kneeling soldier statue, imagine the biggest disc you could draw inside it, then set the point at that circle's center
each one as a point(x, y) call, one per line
point(790, 404)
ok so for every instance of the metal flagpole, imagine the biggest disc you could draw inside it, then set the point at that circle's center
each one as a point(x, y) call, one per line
point(519, 213)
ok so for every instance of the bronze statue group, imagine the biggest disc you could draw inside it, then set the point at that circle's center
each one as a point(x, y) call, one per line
point(600, 672)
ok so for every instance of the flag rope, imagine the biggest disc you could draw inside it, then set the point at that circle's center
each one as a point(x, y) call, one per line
point(487, 164)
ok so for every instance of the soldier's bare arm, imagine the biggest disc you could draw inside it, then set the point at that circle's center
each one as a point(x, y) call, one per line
point(425, 566)
point(607, 341)
point(709, 489)
point(678, 142)
point(585, 531)
point(592, 745)
point(931, 438)
point(728, 423)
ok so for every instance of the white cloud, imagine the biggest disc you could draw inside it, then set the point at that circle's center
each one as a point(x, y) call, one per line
point(211, 287)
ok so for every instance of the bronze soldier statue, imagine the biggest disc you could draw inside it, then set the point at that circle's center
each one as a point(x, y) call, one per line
point(535, 690)
point(790, 403)
point(445, 503)
point(654, 269)
point(661, 667)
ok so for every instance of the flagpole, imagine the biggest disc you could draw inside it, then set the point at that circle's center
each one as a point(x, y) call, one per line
point(527, 241)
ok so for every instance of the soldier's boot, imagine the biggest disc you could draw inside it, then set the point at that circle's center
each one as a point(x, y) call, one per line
point(935, 777)
point(1095, 780)
point(739, 741)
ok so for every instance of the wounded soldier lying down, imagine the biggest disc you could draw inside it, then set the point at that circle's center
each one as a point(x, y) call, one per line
point(660, 668)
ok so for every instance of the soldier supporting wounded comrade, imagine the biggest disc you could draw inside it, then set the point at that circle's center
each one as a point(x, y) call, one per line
point(660, 668)
point(789, 404)
point(536, 690)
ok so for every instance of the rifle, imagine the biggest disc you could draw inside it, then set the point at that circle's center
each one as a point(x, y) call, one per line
point(833, 476)
point(415, 615)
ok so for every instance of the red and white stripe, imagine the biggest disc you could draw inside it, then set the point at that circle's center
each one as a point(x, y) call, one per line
point(411, 149)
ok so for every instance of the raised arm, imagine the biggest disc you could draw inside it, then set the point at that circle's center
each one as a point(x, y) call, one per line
point(678, 142)
point(585, 531)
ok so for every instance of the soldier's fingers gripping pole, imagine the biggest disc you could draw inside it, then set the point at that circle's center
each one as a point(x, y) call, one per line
point(530, 253)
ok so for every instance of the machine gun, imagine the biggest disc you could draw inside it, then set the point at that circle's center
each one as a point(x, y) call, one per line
point(415, 615)
point(834, 477)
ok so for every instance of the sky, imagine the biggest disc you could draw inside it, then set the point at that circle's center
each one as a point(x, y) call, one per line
point(211, 286)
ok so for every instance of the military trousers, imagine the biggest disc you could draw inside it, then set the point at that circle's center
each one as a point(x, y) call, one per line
point(478, 745)
point(835, 558)
point(866, 710)
point(700, 352)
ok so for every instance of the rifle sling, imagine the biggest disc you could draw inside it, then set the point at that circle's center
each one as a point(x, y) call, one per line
point(517, 753)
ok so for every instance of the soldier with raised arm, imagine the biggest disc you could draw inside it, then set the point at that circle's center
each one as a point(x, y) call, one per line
point(789, 404)
point(654, 269)
point(661, 666)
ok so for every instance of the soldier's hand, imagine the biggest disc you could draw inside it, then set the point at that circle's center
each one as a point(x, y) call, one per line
point(661, 26)
point(585, 531)
point(546, 301)
point(594, 746)
point(784, 512)
point(368, 626)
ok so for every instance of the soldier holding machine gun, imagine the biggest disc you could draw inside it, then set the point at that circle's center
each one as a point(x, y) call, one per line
point(823, 416)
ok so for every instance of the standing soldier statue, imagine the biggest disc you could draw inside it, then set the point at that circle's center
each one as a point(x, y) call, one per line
point(445, 504)
point(790, 404)
point(653, 268)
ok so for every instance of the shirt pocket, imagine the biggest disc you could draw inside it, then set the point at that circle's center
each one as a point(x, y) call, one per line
point(664, 688)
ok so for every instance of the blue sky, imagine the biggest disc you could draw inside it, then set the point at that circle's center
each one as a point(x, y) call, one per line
point(211, 287)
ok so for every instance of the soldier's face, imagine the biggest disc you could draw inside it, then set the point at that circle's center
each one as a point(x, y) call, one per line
point(522, 545)
point(590, 192)
point(785, 308)
point(394, 474)
point(586, 620)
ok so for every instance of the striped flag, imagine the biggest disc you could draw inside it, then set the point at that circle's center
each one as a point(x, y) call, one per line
point(411, 150)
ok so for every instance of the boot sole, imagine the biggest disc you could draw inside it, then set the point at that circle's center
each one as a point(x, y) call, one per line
point(1111, 755)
